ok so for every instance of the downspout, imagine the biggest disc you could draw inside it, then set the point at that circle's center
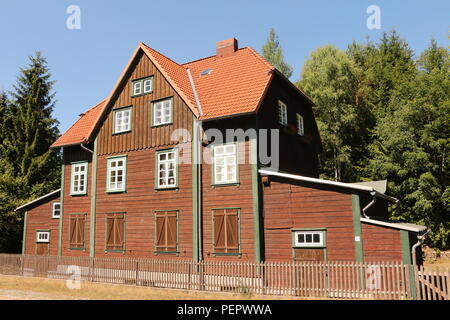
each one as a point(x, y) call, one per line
point(420, 239)
point(87, 149)
point(198, 163)
point(374, 195)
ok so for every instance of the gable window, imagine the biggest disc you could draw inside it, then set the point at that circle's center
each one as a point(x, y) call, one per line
point(167, 169)
point(116, 174)
point(43, 236)
point(226, 237)
point(282, 113)
point(115, 232)
point(162, 112)
point(79, 178)
point(166, 231)
point(77, 231)
point(225, 164)
point(142, 86)
point(300, 125)
point(309, 238)
point(56, 212)
point(122, 120)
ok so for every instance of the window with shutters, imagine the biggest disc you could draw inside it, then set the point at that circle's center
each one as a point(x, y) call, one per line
point(77, 231)
point(78, 185)
point(166, 232)
point(115, 232)
point(226, 231)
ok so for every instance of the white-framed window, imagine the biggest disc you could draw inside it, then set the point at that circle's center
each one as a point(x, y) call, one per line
point(79, 178)
point(43, 236)
point(122, 120)
point(147, 85)
point(56, 213)
point(162, 112)
point(225, 164)
point(282, 113)
point(300, 125)
point(137, 88)
point(310, 238)
point(142, 86)
point(117, 174)
point(167, 168)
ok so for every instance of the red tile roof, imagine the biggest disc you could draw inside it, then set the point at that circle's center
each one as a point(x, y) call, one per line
point(235, 85)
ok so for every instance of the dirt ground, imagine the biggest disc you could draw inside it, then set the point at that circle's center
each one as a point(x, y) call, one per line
point(433, 258)
point(27, 288)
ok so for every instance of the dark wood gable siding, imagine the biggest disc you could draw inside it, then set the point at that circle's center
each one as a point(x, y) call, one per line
point(298, 154)
point(142, 135)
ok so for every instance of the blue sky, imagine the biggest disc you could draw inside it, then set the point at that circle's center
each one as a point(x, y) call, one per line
point(87, 62)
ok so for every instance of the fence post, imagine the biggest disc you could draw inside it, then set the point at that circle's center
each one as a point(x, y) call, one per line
point(413, 280)
point(137, 272)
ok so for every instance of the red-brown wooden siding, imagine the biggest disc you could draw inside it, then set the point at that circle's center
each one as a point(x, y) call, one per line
point(289, 206)
point(40, 218)
point(232, 196)
point(140, 201)
point(381, 243)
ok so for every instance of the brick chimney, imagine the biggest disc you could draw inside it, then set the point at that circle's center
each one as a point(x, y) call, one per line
point(226, 48)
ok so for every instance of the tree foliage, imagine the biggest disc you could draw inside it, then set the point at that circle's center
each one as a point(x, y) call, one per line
point(273, 53)
point(28, 167)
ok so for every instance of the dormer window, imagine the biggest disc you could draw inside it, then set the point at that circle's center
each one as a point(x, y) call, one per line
point(282, 113)
point(122, 120)
point(300, 125)
point(141, 86)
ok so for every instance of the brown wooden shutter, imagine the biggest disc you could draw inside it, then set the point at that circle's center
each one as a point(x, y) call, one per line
point(110, 232)
point(72, 232)
point(166, 231)
point(118, 239)
point(232, 238)
point(80, 232)
point(219, 231)
point(171, 224)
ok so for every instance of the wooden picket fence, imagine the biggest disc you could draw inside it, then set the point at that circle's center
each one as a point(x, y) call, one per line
point(432, 283)
point(335, 279)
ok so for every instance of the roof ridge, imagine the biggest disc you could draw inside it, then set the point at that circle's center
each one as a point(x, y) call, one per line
point(162, 55)
point(261, 58)
point(205, 58)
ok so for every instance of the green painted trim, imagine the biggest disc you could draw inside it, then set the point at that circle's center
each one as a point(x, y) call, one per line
point(239, 233)
point(195, 194)
point(24, 233)
point(62, 209)
point(156, 175)
point(124, 232)
point(93, 202)
point(256, 199)
point(152, 112)
point(213, 169)
point(108, 164)
point(177, 252)
point(142, 86)
point(357, 228)
point(114, 120)
point(407, 260)
point(84, 232)
point(72, 172)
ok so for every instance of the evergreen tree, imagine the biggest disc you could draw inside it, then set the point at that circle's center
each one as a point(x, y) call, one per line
point(28, 167)
point(273, 53)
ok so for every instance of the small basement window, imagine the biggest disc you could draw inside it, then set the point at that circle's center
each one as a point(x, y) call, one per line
point(309, 238)
point(43, 236)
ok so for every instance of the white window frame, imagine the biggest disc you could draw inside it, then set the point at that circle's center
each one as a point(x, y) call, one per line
point(305, 244)
point(43, 236)
point(150, 79)
point(300, 125)
point(166, 162)
point(226, 156)
point(75, 174)
point(54, 209)
point(282, 113)
point(135, 85)
point(115, 169)
point(122, 127)
point(163, 106)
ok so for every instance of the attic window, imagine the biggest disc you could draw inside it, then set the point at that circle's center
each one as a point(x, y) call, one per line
point(205, 72)
point(141, 86)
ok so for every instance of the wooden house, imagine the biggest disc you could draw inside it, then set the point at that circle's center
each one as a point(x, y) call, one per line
point(145, 174)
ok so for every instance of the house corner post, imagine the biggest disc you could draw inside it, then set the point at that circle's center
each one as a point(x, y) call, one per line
point(196, 205)
point(61, 217)
point(256, 191)
point(407, 260)
point(24, 235)
point(357, 233)
point(93, 202)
